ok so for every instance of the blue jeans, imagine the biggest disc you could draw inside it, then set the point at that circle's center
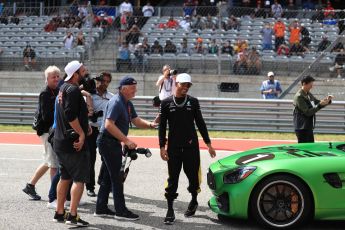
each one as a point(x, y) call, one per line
point(53, 185)
point(111, 152)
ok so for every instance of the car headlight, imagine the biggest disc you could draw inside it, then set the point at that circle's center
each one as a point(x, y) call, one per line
point(237, 175)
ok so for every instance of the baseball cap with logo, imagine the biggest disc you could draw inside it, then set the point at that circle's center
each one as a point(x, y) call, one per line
point(71, 68)
point(127, 80)
point(184, 78)
point(270, 74)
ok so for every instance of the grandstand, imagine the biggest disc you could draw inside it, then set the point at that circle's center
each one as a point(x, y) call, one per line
point(101, 51)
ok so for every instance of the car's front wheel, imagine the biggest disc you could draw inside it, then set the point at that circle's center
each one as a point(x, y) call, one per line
point(281, 201)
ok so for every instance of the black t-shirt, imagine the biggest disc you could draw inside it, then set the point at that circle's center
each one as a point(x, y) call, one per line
point(182, 133)
point(71, 106)
point(46, 104)
point(340, 59)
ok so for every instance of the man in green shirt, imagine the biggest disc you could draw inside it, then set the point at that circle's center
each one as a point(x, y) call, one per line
point(306, 106)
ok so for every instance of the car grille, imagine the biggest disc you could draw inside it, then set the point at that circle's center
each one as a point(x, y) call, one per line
point(210, 180)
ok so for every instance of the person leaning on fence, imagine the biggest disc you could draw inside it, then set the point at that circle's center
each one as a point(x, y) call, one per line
point(270, 88)
point(44, 122)
point(306, 106)
point(181, 112)
point(69, 143)
point(118, 116)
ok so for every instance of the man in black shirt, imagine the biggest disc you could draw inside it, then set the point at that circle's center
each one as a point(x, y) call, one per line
point(69, 137)
point(181, 111)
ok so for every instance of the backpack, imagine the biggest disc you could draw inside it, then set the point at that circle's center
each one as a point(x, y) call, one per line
point(38, 123)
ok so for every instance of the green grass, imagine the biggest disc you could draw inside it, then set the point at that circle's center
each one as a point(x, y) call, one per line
point(213, 134)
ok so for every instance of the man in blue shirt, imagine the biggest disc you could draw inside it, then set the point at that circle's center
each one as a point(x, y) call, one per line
point(118, 115)
point(270, 88)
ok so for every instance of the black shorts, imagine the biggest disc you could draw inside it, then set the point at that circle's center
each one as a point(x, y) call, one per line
point(75, 166)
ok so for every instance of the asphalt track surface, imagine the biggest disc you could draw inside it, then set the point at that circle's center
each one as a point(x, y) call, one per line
point(144, 190)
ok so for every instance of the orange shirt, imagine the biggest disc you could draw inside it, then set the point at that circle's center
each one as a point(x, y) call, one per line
point(172, 24)
point(279, 29)
point(294, 35)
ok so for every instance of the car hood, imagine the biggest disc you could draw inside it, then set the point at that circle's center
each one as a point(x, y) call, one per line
point(285, 152)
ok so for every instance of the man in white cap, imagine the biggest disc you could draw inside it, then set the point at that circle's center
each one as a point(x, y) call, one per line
point(182, 111)
point(69, 137)
point(270, 88)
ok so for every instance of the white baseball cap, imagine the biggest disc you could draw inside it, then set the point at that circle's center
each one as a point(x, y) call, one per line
point(184, 78)
point(270, 74)
point(71, 68)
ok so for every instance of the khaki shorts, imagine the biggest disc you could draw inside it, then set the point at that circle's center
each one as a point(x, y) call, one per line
point(49, 157)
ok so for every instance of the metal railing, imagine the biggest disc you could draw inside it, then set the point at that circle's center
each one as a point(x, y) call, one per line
point(219, 113)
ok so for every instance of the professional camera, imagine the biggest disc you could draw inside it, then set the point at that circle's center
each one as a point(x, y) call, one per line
point(172, 72)
point(95, 116)
point(88, 84)
point(133, 153)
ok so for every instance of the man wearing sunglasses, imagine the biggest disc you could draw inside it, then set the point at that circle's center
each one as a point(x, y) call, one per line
point(182, 111)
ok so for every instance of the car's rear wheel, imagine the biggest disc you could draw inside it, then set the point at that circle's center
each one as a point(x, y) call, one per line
point(281, 201)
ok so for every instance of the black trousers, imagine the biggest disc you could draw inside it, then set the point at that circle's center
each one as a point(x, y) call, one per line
point(189, 159)
point(91, 141)
point(305, 136)
point(278, 42)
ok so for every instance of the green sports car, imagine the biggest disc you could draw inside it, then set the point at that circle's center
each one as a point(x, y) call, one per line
point(281, 186)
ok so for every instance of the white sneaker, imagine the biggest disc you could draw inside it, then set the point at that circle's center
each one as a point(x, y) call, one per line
point(67, 203)
point(339, 76)
point(82, 203)
point(52, 205)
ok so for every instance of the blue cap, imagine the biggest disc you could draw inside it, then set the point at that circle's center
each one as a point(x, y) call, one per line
point(127, 80)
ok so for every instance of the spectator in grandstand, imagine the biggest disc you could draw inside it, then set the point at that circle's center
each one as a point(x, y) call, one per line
point(146, 46)
point(140, 60)
point(270, 89)
point(231, 24)
point(227, 48)
point(169, 47)
point(156, 48)
point(102, 21)
point(329, 12)
point(267, 33)
point(283, 49)
point(305, 40)
point(241, 63)
point(80, 39)
point(199, 47)
point(276, 9)
point(210, 24)
point(279, 33)
point(198, 24)
point(186, 23)
point(339, 62)
point(82, 11)
point(308, 5)
point(126, 8)
point(338, 47)
point(323, 44)
point(3, 20)
point(124, 56)
point(29, 55)
point(253, 61)
point(148, 10)
point(297, 49)
point(51, 26)
point(189, 7)
point(68, 40)
point(184, 48)
point(213, 47)
point(341, 26)
point(172, 23)
point(14, 19)
point(240, 46)
point(295, 32)
point(306, 106)
point(133, 35)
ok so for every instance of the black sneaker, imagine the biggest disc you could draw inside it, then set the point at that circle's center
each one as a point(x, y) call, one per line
point(193, 205)
point(60, 218)
point(126, 215)
point(30, 190)
point(91, 193)
point(75, 220)
point(170, 217)
point(105, 213)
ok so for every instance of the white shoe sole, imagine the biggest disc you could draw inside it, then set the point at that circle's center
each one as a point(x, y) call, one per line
point(124, 218)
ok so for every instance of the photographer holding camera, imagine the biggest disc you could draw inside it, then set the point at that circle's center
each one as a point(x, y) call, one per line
point(100, 98)
point(69, 137)
point(118, 116)
point(166, 85)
